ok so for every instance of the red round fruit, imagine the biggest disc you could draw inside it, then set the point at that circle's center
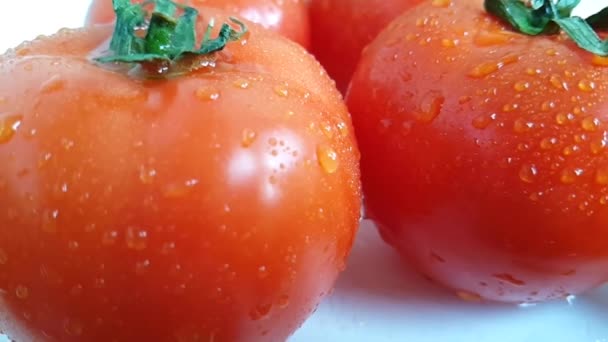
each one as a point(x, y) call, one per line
point(484, 153)
point(217, 202)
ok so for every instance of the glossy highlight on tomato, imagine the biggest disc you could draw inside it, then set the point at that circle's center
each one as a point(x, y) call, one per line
point(340, 30)
point(484, 153)
point(214, 205)
point(287, 17)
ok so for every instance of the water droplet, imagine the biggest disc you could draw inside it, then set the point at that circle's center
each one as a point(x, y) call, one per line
point(487, 68)
point(528, 173)
point(490, 38)
point(281, 90)
point(436, 257)
point(522, 126)
point(570, 150)
point(521, 86)
point(557, 82)
point(3, 257)
point(207, 94)
point(441, 3)
point(571, 175)
point(448, 43)
point(262, 272)
point(273, 141)
point(548, 143)
point(22, 292)
point(590, 123)
point(99, 283)
point(483, 121)
point(563, 118)
point(248, 137)
point(586, 85)
point(261, 311)
point(509, 279)
point(73, 245)
point(328, 158)
point(177, 190)
point(9, 124)
point(343, 129)
point(136, 238)
point(601, 175)
point(551, 52)
point(146, 174)
point(510, 107)
point(469, 296)
point(52, 85)
point(49, 221)
point(142, 267)
point(598, 145)
point(109, 237)
point(241, 83)
point(547, 106)
point(168, 247)
point(283, 301)
point(72, 327)
point(430, 107)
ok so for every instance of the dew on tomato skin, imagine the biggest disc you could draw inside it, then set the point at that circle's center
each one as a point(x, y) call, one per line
point(262, 272)
point(141, 267)
point(9, 124)
point(521, 86)
point(53, 84)
point(469, 296)
point(109, 237)
point(590, 123)
point(528, 173)
point(49, 221)
point(558, 82)
point(261, 311)
point(570, 150)
point(510, 279)
point(430, 107)
point(179, 189)
point(73, 245)
point(548, 143)
point(564, 118)
point(483, 121)
point(146, 174)
point(521, 126)
point(510, 107)
point(136, 238)
point(571, 175)
point(22, 292)
point(207, 94)
point(281, 90)
point(241, 83)
point(328, 158)
point(586, 85)
point(248, 136)
point(547, 106)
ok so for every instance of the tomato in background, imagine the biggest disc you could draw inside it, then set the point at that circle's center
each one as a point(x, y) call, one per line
point(340, 29)
point(484, 153)
point(287, 17)
point(219, 204)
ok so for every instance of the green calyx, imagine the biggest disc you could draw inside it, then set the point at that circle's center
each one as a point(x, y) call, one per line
point(168, 36)
point(549, 17)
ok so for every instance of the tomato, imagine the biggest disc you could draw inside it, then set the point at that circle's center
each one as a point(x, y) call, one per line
point(484, 157)
point(216, 204)
point(288, 17)
point(340, 31)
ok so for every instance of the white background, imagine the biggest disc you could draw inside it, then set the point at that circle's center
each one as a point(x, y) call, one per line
point(377, 299)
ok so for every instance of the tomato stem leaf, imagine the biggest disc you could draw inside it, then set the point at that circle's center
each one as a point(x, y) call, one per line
point(549, 17)
point(170, 33)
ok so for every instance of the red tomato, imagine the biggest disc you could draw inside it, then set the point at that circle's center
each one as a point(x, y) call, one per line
point(341, 29)
point(215, 205)
point(287, 17)
point(484, 153)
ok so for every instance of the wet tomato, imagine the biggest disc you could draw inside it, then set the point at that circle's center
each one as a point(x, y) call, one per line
point(341, 29)
point(287, 17)
point(217, 203)
point(485, 153)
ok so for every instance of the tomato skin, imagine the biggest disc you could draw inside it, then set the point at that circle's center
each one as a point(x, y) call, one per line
point(287, 17)
point(483, 153)
point(341, 29)
point(194, 208)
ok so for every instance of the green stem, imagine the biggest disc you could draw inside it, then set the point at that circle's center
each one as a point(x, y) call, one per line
point(169, 37)
point(549, 17)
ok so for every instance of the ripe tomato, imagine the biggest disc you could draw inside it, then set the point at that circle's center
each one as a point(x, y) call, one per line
point(287, 17)
point(341, 29)
point(218, 205)
point(484, 153)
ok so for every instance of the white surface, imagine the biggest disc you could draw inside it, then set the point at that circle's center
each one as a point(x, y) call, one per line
point(375, 299)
